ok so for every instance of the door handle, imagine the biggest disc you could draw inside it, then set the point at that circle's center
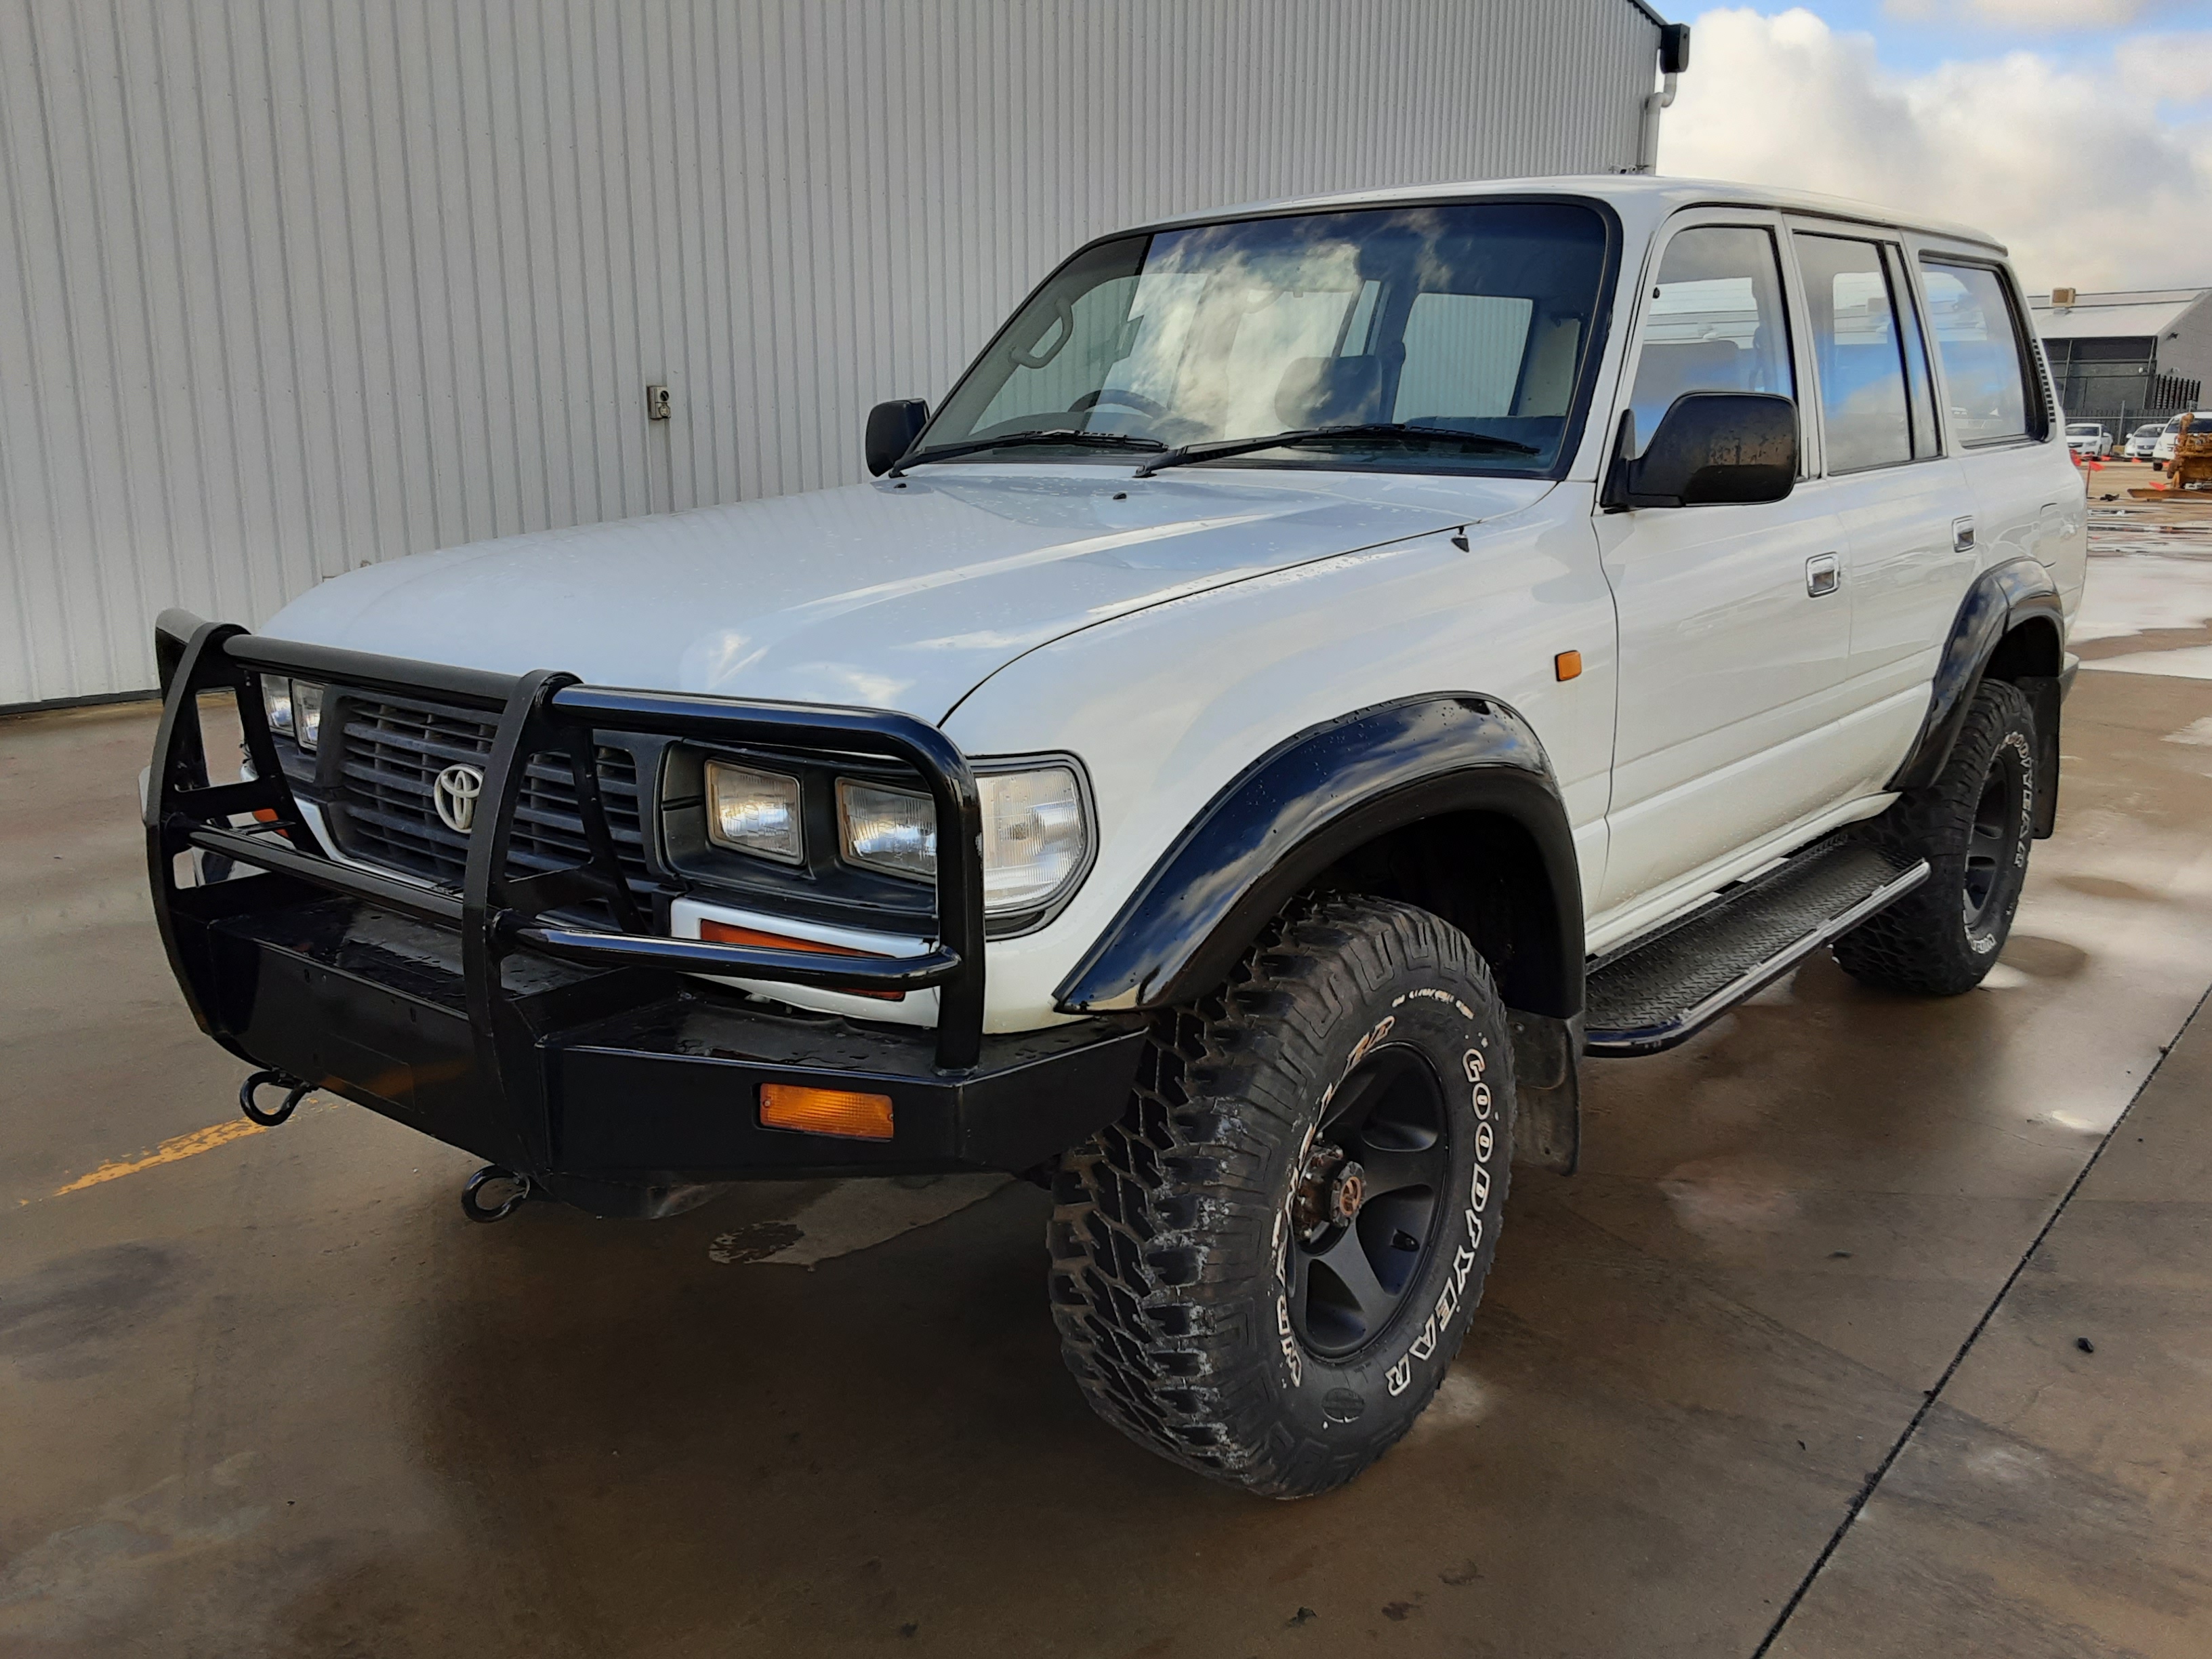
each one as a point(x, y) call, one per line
point(1822, 575)
point(1962, 534)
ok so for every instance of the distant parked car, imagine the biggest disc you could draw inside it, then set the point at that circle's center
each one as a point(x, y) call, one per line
point(2142, 440)
point(2172, 435)
point(2087, 438)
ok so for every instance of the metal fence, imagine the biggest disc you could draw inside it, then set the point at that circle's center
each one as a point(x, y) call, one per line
point(2119, 395)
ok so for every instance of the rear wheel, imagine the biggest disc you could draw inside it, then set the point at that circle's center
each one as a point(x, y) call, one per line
point(1974, 825)
point(1264, 1270)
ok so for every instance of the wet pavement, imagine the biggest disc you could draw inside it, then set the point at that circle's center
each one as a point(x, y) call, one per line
point(1795, 1360)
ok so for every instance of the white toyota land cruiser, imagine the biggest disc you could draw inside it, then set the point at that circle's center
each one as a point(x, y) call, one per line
point(1325, 669)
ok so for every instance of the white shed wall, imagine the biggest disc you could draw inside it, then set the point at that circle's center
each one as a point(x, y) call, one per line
point(289, 286)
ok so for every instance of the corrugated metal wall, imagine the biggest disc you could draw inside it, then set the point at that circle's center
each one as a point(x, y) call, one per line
point(290, 285)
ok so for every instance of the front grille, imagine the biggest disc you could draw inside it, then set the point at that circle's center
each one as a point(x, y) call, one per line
point(384, 814)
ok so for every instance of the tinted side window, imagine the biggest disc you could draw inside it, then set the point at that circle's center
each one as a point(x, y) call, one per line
point(1984, 364)
point(1716, 323)
point(1854, 344)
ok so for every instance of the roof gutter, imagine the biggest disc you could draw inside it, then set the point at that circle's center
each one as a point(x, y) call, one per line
point(1674, 60)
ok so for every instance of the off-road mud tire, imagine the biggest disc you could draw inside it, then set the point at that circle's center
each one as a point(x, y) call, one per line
point(1935, 941)
point(1169, 1235)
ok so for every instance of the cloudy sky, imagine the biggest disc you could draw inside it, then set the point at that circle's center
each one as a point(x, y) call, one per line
point(2079, 131)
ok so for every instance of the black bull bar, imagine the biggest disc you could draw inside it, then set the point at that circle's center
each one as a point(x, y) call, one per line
point(590, 1060)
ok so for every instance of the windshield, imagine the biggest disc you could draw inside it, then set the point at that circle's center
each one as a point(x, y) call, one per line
point(1470, 319)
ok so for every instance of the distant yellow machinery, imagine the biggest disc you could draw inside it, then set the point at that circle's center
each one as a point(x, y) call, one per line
point(2192, 457)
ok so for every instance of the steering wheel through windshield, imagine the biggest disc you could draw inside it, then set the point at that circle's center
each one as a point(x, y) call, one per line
point(1135, 400)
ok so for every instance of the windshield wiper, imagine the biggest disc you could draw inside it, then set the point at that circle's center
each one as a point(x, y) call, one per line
point(1060, 435)
point(1316, 435)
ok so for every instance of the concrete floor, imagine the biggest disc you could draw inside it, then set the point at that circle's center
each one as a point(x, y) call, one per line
point(269, 1393)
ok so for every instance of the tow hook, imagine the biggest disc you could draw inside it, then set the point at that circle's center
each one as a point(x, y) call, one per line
point(295, 1091)
point(472, 1203)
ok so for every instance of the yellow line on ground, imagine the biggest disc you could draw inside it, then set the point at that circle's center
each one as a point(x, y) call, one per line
point(169, 1151)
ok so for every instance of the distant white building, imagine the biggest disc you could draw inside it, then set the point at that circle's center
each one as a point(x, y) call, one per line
point(288, 288)
point(2127, 358)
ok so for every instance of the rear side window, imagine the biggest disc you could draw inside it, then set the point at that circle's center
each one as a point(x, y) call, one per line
point(1984, 360)
point(1861, 357)
point(1716, 323)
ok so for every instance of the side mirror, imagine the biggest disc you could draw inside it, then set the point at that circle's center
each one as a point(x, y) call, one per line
point(1711, 448)
point(892, 428)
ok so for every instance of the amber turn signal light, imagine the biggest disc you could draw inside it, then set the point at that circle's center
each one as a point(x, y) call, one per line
point(826, 1111)
point(1568, 664)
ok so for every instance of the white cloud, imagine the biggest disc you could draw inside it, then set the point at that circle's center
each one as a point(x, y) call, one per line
point(2177, 67)
point(2035, 15)
point(2073, 167)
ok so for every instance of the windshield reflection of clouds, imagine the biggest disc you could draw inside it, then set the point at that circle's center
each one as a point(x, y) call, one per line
point(1474, 318)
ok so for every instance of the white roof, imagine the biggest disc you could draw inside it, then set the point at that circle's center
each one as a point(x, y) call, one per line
point(2121, 315)
point(1651, 195)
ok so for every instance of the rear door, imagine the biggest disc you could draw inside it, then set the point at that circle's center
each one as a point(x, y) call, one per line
point(2027, 497)
point(1734, 637)
point(1908, 517)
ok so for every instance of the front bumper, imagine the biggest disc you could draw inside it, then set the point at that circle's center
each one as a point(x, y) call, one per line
point(592, 1060)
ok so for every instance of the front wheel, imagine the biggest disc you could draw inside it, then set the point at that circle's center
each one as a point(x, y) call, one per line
point(1974, 825)
point(1263, 1271)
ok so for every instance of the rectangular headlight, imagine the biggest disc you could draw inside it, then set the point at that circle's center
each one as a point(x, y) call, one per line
point(894, 830)
point(753, 812)
point(1034, 837)
point(277, 703)
point(307, 713)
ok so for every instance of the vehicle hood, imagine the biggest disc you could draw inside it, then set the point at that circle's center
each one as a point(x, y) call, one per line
point(875, 595)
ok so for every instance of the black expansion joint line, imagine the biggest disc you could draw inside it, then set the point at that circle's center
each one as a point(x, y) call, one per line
point(1873, 1482)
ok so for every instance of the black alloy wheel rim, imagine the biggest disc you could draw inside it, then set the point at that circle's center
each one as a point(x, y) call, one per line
point(1990, 844)
point(1346, 1280)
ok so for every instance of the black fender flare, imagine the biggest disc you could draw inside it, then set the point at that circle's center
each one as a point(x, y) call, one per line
point(1308, 802)
point(2001, 598)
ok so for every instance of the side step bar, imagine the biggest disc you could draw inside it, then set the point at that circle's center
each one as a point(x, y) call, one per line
point(1663, 988)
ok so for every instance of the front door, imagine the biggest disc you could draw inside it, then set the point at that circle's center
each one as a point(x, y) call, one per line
point(1734, 629)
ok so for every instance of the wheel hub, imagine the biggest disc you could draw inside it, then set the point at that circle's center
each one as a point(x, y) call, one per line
point(1331, 1189)
point(1347, 1191)
point(1363, 1211)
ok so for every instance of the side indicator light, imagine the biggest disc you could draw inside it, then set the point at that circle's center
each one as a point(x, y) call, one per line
point(826, 1111)
point(1568, 664)
point(724, 933)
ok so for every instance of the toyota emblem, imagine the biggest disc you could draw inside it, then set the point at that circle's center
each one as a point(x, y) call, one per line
point(454, 794)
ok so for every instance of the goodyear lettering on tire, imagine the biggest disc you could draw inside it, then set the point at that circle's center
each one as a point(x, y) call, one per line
point(1467, 1254)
